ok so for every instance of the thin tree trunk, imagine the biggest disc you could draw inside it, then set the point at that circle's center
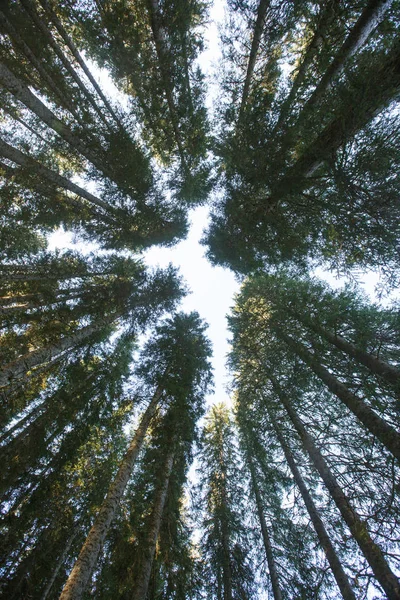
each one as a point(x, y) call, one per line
point(31, 10)
point(17, 369)
point(327, 15)
point(382, 87)
point(24, 95)
point(59, 564)
point(324, 539)
point(264, 530)
point(255, 44)
point(87, 559)
point(377, 366)
point(367, 22)
point(69, 43)
point(385, 433)
point(50, 176)
point(358, 528)
point(142, 581)
point(225, 537)
point(19, 42)
point(163, 58)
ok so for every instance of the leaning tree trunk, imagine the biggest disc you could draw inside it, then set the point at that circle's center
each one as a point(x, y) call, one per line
point(22, 93)
point(384, 432)
point(367, 22)
point(357, 526)
point(264, 530)
point(328, 13)
point(323, 537)
point(255, 44)
point(374, 364)
point(31, 10)
point(53, 178)
point(382, 87)
point(17, 369)
point(69, 43)
point(142, 581)
point(163, 58)
point(87, 559)
point(59, 564)
point(20, 43)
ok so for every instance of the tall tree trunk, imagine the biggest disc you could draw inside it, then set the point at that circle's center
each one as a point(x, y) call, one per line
point(50, 176)
point(374, 364)
point(357, 526)
point(324, 539)
point(225, 536)
point(142, 581)
point(59, 564)
point(255, 44)
point(366, 23)
point(14, 85)
point(328, 13)
point(87, 559)
point(163, 58)
point(18, 42)
point(264, 530)
point(382, 87)
point(69, 43)
point(385, 433)
point(31, 10)
point(17, 369)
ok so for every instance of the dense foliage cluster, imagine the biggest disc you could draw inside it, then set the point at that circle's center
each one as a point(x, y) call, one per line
point(114, 482)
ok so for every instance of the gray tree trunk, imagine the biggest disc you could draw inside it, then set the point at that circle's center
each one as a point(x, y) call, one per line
point(374, 364)
point(14, 85)
point(142, 582)
point(17, 369)
point(384, 432)
point(87, 559)
point(255, 44)
point(59, 564)
point(367, 22)
point(50, 176)
point(68, 41)
point(357, 526)
point(324, 539)
point(31, 10)
point(264, 530)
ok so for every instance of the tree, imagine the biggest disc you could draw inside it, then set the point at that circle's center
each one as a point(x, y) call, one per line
point(271, 315)
point(228, 565)
point(179, 382)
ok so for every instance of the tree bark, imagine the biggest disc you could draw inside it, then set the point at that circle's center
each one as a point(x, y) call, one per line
point(255, 44)
point(327, 15)
point(31, 10)
point(50, 176)
point(358, 528)
point(69, 43)
point(18, 41)
point(366, 23)
point(381, 87)
point(24, 95)
point(17, 369)
point(87, 559)
point(159, 40)
point(59, 564)
point(324, 539)
point(264, 530)
point(377, 366)
point(142, 582)
point(384, 432)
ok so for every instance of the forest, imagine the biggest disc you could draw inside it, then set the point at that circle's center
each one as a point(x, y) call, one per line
point(120, 478)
